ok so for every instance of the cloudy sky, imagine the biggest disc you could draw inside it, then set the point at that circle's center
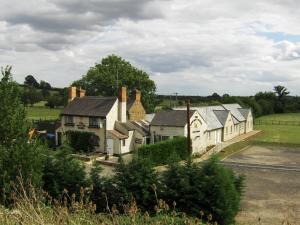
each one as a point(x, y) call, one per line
point(187, 46)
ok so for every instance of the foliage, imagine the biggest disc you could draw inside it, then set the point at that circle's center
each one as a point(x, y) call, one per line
point(12, 114)
point(45, 85)
point(55, 100)
point(31, 81)
point(81, 141)
point(160, 152)
point(31, 96)
point(212, 188)
point(113, 72)
point(23, 159)
point(63, 172)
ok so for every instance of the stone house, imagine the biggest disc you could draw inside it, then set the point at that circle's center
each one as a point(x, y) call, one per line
point(116, 129)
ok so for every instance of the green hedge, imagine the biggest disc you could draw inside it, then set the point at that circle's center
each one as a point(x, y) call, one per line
point(161, 152)
point(81, 141)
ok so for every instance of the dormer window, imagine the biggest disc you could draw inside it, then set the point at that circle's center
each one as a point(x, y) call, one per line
point(69, 120)
point(94, 122)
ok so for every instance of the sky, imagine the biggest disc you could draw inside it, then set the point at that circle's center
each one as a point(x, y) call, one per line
point(192, 47)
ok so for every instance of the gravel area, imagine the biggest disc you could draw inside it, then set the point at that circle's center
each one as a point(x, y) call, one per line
point(271, 196)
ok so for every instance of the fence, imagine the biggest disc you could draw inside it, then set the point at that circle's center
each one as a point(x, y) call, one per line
point(277, 122)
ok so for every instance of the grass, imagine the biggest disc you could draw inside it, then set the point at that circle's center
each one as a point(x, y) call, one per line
point(280, 134)
point(43, 113)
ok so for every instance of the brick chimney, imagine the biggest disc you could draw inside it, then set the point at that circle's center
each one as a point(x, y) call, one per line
point(72, 93)
point(122, 114)
point(137, 95)
point(81, 93)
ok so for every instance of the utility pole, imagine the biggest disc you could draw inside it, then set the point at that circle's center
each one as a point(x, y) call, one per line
point(189, 146)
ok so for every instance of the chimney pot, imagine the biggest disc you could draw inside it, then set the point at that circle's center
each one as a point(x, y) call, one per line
point(71, 93)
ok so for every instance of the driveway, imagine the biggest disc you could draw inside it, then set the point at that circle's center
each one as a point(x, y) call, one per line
point(272, 192)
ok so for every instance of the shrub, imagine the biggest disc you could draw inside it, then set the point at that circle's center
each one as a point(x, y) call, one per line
point(81, 141)
point(159, 153)
point(62, 171)
point(211, 188)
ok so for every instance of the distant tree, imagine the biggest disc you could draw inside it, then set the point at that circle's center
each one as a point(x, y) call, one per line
point(31, 95)
point(281, 93)
point(31, 81)
point(113, 71)
point(45, 85)
point(251, 103)
point(55, 100)
point(215, 96)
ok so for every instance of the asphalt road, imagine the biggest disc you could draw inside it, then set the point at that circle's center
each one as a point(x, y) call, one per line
point(272, 192)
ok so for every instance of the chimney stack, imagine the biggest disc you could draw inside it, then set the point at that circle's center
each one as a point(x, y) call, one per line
point(72, 93)
point(122, 105)
point(137, 95)
point(81, 93)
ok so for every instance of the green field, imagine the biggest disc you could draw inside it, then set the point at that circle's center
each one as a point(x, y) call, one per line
point(43, 113)
point(279, 134)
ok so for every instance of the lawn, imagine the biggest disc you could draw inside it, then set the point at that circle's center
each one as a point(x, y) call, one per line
point(43, 113)
point(279, 134)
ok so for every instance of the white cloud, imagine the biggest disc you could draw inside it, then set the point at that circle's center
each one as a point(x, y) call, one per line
point(190, 47)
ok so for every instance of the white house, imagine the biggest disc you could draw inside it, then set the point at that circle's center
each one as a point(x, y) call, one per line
point(117, 129)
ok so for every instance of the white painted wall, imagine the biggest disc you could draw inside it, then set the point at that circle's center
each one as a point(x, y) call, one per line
point(228, 131)
point(249, 123)
point(112, 116)
point(214, 137)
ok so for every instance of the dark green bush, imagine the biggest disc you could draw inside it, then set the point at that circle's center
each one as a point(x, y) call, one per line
point(212, 188)
point(81, 141)
point(159, 153)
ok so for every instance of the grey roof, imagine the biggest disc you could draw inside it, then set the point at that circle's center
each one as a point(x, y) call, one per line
point(234, 109)
point(173, 118)
point(208, 115)
point(244, 112)
point(149, 117)
point(90, 106)
point(235, 121)
point(222, 115)
point(139, 126)
point(129, 103)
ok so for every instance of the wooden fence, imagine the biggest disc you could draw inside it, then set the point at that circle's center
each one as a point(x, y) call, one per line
point(276, 122)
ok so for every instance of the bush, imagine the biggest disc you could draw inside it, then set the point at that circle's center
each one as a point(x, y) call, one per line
point(81, 141)
point(135, 180)
point(211, 188)
point(159, 153)
point(62, 171)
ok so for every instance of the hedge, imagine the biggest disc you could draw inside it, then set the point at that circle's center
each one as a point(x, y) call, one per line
point(81, 141)
point(160, 152)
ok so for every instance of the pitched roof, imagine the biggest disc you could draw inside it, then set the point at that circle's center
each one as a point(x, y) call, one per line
point(234, 109)
point(90, 106)
point(129, 103)
point(222, 115)
point(116, 134)
point(244, 112)
point(235, 121)
point(173, 118)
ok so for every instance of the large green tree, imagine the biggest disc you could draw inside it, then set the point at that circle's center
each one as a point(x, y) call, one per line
point(19, 156)
point(12, 114)
point(281, 93)
point(113, 72)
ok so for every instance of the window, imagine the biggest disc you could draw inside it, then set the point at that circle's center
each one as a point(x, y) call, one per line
point(93, 122)
point(163, 138)
point(123, 142)
point(95, 140)
point(69, 120)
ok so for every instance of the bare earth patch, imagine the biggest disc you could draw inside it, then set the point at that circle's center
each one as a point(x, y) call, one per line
point(272, 193)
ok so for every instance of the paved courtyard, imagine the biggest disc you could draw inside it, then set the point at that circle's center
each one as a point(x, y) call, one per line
point(272, 192)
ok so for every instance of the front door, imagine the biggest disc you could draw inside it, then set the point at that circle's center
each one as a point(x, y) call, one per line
point(110, 146)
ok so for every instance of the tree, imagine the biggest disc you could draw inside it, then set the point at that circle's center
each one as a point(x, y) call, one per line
point(281, 93)
point(31, 81)
point(12, 114)
point(45, 85)
point(113, 72)
point(31, 96)
point(55, 100)
point(19, 156)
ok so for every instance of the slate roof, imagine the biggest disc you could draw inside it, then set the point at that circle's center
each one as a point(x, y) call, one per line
point(129, 103)
point(222, 115)
point(139, 126)
point(116, 134)
point(172, 118)
point(210, 117)
point(90, 106)
point(244, 112)
point(234, 109)
point(235, 121)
